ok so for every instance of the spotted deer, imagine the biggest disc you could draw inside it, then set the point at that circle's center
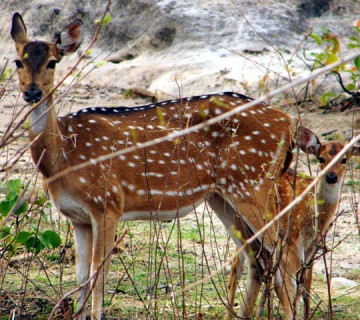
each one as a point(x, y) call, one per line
point(230, 165)
point(310, 221)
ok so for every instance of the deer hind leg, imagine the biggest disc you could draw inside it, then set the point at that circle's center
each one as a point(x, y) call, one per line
point(237, 268)
point(231, 219)
point(83, 248)
point(104, 231)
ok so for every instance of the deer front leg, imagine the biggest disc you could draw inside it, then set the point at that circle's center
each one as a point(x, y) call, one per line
point(285, 289)
point(285, 282)
point(237, 268)
point(104, 231)
point(83, 248)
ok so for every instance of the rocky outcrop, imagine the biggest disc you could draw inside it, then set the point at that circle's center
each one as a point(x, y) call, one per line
point(188, 42)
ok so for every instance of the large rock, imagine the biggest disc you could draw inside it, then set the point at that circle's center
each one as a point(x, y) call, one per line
point(341, 283)
point(188, 44)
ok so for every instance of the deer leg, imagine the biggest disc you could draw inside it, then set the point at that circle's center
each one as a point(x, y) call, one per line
point(286, 286)
point(231, 219)
point(237, 268)
point(83, 246)
point(253, 286)
point(306, 293)
point(283, 287)
point(103, 241)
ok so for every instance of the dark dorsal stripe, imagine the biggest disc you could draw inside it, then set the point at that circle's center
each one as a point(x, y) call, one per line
point(126, 110)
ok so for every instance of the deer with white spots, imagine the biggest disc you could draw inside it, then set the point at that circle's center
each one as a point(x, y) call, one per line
point(231, 165)
point(307, 229)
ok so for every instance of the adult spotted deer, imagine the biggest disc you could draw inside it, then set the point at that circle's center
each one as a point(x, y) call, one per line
point(310, 221)
point(230, 165)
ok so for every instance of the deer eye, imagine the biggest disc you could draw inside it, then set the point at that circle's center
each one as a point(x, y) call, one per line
point(321, 160)
point(18, 64)
point(51, 64)
point(343, 161)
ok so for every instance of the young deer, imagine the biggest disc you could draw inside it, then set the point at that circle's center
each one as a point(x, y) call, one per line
point(227, 164)
point(307, 229)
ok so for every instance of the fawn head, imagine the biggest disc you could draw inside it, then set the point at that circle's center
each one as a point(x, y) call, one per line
point(310, 144)
point(37, 59)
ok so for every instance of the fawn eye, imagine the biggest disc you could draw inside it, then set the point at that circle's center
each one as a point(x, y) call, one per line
point(51, 64)
point(18, 64)
point(321, 160)
point(343, 161)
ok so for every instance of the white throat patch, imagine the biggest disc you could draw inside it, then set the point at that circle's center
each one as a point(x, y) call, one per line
point(37, 119)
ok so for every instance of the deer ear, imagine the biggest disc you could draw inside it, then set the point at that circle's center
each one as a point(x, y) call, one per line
point(69, 39)
point(18, 29)
point(308, 141)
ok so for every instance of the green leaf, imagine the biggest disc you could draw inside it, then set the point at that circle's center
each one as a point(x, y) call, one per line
point(22, 208)
point(324, 30)
point(6, 206)
point(357, 63)
point(107, 19)
point(350, 87)
point(5, 232)
point(14, 186)
point(50, 239)
point(353, 45)
point(11, 196)
point(331, 58)
point(326, 97)
point(34, 244)
point(316, 37)
point(41, 200)
point(3, 77)
point(23, 236)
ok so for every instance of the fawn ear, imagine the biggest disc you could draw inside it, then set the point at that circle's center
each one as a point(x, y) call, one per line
point(308, 141)
point(69, 39)
point(18, 29)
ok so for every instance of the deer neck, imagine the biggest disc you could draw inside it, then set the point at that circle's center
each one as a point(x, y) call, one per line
point(328, 199)
point(329, 193)
point(45, 136)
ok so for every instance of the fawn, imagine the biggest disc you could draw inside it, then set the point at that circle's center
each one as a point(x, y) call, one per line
point(227, 164)
point(307, 229)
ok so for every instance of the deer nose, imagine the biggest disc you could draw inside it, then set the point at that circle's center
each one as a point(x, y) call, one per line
point(331, 177)
point(32, 95)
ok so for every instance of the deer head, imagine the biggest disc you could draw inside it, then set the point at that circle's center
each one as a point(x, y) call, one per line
point(37, 59)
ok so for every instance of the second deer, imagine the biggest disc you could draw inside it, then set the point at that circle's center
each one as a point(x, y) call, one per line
point(310, 222)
